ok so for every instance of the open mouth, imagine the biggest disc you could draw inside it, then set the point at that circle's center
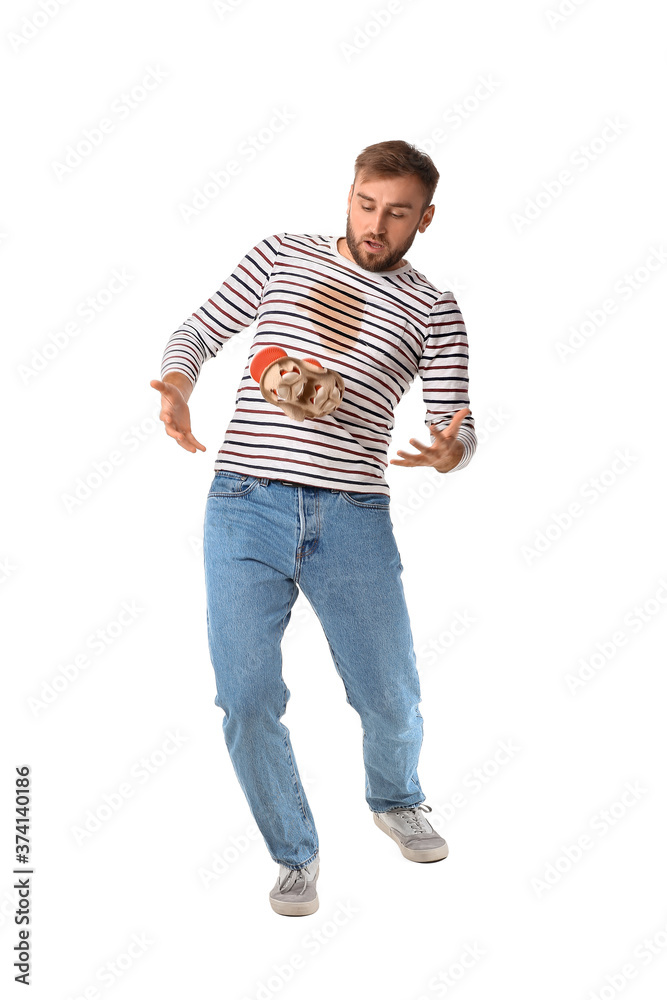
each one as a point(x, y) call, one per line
point(373, 247)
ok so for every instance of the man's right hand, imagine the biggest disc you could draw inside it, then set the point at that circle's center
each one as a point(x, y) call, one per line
point(175, 414)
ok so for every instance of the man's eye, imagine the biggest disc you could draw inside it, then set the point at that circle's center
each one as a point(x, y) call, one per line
point(393, 214)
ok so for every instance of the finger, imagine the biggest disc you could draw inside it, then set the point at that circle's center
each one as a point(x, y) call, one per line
point(160, 386)
point(177, 435)
point(166, 388)
point(191, 439)
point(185, 443)
point(459, 416)
point(411, 459)
point(452, 427)
point(417, 444)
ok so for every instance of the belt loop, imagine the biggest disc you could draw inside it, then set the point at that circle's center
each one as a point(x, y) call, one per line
point(263, 481)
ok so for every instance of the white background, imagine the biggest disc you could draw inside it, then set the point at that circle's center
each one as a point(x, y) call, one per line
point(505, 97)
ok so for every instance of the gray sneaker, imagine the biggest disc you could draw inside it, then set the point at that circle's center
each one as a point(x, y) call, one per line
point(295, 891)
point(413, 833)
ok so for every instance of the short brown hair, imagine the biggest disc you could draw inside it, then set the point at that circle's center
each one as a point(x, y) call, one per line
point(394, 157)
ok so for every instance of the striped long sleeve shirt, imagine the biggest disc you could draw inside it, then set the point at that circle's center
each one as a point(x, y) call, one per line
point(377, 329)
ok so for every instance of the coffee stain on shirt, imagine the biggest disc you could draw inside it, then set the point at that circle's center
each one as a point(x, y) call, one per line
point(336, 312)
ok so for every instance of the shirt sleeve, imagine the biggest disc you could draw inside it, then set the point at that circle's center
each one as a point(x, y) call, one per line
point(443, 368)
point(234, 306)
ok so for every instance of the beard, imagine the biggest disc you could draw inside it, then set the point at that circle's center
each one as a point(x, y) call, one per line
point(382, 261)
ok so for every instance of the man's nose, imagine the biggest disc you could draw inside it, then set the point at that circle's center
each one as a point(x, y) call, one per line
point(378, 225)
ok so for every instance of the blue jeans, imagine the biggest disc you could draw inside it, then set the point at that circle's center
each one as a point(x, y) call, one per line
point(265, 540)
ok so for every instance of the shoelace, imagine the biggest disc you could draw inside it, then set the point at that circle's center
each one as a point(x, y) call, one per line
point(291, 877)
point(418, 824)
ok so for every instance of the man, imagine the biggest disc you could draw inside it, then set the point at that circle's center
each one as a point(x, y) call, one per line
point(299, 502)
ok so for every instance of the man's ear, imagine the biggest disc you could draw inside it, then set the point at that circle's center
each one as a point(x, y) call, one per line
point(426, 218)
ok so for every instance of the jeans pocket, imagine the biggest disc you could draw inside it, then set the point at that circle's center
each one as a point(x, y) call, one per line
point(231, 484)
point(377, 501)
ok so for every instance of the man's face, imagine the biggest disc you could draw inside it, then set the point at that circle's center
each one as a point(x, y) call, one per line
point(385, 211)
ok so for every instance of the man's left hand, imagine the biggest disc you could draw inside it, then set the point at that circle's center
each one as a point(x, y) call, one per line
point(445, 452)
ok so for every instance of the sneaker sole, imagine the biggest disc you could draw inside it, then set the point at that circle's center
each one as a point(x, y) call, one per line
point(287, 909)
point(429, 854)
